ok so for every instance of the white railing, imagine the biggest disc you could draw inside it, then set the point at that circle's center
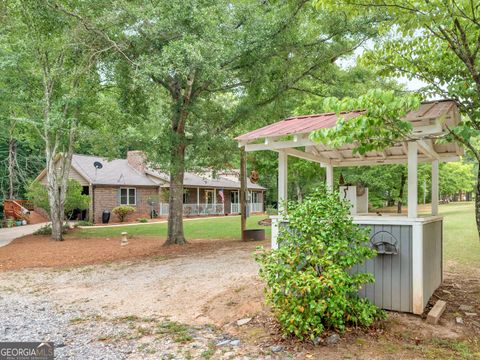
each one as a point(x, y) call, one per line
point(234, 208)
point(196, 209)
point(211, 209)
point(256, 207)
point(252, 207)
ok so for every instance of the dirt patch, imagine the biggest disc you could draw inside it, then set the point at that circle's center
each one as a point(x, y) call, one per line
point(41, 251)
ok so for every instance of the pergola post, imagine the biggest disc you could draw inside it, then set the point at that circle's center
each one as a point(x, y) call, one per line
point(434, 187)
point(282, 179)
point(329, 176)
point(412, 179)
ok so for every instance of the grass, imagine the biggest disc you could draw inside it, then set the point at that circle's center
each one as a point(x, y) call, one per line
point(225, 228)
point(179, 332)
point(461, 243)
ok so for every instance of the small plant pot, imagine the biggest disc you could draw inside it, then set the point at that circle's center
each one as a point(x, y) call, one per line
point(18, 222)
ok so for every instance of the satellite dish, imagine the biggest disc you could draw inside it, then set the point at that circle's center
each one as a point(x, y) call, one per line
point(97, 165)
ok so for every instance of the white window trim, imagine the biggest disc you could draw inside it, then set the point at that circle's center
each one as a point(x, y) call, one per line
point(128, 196)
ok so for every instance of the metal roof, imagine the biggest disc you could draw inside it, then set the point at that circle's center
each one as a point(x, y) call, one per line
point(309, 123)
point(429, 122)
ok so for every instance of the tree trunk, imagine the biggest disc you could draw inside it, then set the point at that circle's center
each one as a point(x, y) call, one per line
point(12, 154)
point(175, 214)
point(403, 178)
point(298, 190)
point(477, 201)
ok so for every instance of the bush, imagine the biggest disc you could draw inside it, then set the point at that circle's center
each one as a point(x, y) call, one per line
point(142, 220)
point(271, 210)
point(123, 211)
point(74, 199)
point(84, 223)
point(47, 230)
point(308, 281)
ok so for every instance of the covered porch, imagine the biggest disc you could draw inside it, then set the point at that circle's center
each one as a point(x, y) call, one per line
point(408, 267)
point(198, 201)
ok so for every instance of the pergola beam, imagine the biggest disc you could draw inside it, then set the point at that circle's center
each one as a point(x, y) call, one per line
point(277, 145)
point(307, 156)
point(426, 147)
point(389, 161)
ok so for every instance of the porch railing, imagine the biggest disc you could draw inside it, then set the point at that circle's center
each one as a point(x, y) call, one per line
point(211, 209)
point(196, 209)
point(252, 207)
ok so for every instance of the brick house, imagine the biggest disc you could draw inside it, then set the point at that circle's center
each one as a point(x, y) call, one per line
point(111, 183)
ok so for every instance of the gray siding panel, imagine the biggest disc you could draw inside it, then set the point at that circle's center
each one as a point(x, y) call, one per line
point(432, 259)
point(392, 289)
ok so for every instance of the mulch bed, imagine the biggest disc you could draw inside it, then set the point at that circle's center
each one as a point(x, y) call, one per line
point(41, 251)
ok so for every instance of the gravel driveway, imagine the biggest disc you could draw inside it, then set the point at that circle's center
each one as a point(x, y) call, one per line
point(135, 309)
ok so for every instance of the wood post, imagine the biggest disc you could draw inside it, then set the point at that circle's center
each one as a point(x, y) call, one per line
point(412, 179)
point(435, 187)
point(329, 176)
point(282, 179)
point(243, 188)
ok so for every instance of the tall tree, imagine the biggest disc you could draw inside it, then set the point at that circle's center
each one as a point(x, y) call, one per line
point(437, 42)
point(214, 63)
point(58, 54)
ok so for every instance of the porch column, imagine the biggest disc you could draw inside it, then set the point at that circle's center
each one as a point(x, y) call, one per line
point(91, 211)
point(198, 201)
point(282, 179)
point(435, 187)
point(215, 201)
point(412, 179)
point(329, 177)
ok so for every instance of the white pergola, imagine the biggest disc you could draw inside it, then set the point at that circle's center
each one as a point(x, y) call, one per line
point(291, 137)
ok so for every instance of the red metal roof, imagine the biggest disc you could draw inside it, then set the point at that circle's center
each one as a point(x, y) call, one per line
point(308, 123)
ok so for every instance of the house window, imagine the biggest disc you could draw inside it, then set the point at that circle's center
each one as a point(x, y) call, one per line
point(128, 196)
point(234, 197)
point(185, 197)
point(254, 198)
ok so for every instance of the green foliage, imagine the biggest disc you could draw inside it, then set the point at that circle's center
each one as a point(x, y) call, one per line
point(123, 211)
point(308, 281)
point(84, 223)
point(142, 220)
point(47, 230)
point(456, 177)
point(37, 193)
point(378, 124)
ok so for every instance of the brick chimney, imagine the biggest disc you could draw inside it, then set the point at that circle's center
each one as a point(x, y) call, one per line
point(137, 160)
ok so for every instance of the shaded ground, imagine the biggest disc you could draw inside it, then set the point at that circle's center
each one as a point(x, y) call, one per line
point(184, 304)
point(40, 251)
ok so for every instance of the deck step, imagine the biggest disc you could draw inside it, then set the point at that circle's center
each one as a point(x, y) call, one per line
point(437, 311)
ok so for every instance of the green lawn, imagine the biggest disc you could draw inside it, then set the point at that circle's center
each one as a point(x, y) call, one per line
point(227, 227)
point(461, 242)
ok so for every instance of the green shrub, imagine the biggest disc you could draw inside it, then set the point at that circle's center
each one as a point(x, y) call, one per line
point(271, 210)
point(84, 223)
point(47, 230)
point(309, 285)
point(142, 220)
point(74, 199)
point(123, 211)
